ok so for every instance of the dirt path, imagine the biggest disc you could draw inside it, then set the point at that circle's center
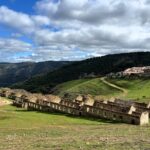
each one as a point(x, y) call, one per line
point(124, 91)
point(4, 101)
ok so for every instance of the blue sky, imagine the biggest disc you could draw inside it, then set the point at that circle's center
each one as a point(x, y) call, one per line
point(41, 30)
point(25, 6)
point(19, 6)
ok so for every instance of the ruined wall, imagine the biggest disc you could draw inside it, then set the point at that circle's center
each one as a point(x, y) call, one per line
point(112, 115)
point(128, 112)
point(51, 107)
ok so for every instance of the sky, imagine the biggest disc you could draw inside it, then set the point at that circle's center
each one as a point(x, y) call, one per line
point(42, 30)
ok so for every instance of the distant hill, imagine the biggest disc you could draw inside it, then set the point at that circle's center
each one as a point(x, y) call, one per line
point(100, 66)
point(11, 73)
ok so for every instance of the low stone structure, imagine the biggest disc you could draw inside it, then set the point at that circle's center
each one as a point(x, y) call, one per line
point(4, 92)
point(131, 72)
point(53, 98)
point(140, 107)
point(135, 118)
point(84, 105)
point(137, 70)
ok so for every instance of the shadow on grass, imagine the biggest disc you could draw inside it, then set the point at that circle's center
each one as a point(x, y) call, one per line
point(4, 117)
point(90, 118)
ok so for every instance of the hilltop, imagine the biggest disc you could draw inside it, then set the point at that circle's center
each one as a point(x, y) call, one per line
point(99, 66)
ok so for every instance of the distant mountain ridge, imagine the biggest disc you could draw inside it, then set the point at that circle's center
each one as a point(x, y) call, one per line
point(11, 73)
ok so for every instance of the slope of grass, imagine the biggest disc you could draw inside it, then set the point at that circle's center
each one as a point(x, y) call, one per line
point(134, 88)
point(86, 86)
point(137, 88)
point(24, 130)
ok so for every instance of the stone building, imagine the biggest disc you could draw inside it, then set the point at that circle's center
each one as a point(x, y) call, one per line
point(53, 98)
point(134, 118)
point(137, 70)
point(79, 99)
point(4, 92)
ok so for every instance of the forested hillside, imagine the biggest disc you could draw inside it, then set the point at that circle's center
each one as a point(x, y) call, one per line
point(11, 73)
point(100, 66)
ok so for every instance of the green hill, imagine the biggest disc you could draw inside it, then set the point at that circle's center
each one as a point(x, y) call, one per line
point(86, 86)
point(122, 88)
point(137, 88)
point(100, 66)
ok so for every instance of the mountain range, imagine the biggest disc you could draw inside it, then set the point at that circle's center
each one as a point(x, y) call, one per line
point(98, 66)
point(11, 73)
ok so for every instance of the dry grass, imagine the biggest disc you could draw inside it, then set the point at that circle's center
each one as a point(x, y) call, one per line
point(4, 101)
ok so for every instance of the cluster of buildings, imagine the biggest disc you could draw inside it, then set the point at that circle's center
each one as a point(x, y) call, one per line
point(137, 70)
point(83, 105)
point(134, 71)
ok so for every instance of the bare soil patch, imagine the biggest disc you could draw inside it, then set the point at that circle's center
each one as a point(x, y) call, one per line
point(4, 101)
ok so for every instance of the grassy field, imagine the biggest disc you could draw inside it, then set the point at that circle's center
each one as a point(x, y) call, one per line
point(31, 130)
point(86, 86)
point(23, 130)
point(137, 88)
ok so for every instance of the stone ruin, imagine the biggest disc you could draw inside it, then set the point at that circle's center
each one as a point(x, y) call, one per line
point(130, 112)
point(131, 72)
point(137, 70)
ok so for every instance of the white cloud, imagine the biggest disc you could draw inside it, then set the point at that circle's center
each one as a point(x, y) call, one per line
point(40, 20)
point(10, 48)
point(84, 28)
point(21, 21)
point(16, 20)
point(14, 45)
point(96, 26)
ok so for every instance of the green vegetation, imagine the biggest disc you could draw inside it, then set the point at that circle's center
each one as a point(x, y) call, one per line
point(100, 66)
point(86, 86)
point(20, 129)
point(11, 73)
point(31, 130)
point(136, 88)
